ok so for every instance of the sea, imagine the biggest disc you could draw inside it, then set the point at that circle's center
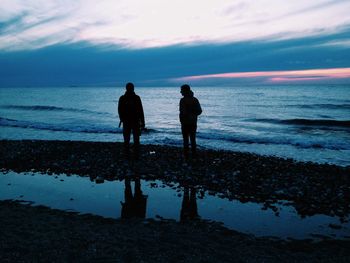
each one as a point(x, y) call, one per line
point(303, 122)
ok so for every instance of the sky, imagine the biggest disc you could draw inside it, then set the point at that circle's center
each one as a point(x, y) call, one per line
point(166, 43)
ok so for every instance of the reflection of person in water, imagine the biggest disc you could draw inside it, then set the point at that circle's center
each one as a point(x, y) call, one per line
point(189, 205)
point(134, 205)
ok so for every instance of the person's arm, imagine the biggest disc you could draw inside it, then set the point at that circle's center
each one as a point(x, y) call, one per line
point(198, 106)
point(181, 110)
point(142, 116)
point(120, 109)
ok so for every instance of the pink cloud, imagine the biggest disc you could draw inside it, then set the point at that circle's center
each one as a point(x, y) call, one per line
point(294, 79)
point(278, 76)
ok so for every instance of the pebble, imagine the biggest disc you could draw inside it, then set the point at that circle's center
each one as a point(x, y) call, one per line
point(335, 226)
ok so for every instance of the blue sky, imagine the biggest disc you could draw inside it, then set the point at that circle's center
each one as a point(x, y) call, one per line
point(108, 43)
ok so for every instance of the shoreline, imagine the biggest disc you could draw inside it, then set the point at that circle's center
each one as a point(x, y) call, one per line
point(309, 187)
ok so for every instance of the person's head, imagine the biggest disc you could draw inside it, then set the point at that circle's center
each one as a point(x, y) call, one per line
point(129, 87)
point(186, 90)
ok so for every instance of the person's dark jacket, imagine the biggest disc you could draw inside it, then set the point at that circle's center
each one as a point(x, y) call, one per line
point(189, 109)
point(130, 109)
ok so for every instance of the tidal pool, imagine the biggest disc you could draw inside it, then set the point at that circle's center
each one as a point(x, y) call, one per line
point(153, 199)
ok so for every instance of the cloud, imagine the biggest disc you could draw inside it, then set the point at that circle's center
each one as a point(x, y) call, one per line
point(82, 64)
point(276, 76)
point(343, 43)
point(135, 24)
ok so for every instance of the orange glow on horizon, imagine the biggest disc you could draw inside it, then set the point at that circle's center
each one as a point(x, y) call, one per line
point(279, 76)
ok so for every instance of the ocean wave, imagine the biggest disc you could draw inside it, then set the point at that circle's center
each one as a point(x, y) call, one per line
point(55, 127)
point(305, 143)
point(51, 108)
point(307, 122)
point(85, 128)
point(302, 106)
point(321, 106)
point(250, 93)
point(316, 143)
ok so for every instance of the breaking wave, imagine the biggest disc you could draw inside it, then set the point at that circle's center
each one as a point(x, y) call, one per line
point(50, 108)
point(299, 142)
point(307, 122)
point(55, 127)
point(279, 140)
point(84, 128)
point(322, 106)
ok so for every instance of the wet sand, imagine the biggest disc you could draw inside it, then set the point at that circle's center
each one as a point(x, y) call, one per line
point(33, 231)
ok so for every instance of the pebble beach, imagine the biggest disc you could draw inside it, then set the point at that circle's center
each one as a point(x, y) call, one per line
point(310, 188)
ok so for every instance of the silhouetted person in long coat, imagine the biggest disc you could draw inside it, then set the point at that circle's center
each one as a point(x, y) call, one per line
point(190, 109)
point(131, 115)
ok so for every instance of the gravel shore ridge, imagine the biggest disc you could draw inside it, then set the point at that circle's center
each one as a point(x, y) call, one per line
point(311, 188)
point(41, 234)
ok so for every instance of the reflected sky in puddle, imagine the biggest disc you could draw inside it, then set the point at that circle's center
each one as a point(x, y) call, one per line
point(151, 199)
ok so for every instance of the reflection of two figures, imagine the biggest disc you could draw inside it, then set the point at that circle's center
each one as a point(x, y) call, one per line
point(135, 204)
point(189, 209)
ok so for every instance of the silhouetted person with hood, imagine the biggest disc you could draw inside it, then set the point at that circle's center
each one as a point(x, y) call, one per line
point(190, 109)
point(131, 115)
point(134, 205)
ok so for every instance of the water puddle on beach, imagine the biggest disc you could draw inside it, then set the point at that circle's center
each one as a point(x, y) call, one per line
point(153, 199)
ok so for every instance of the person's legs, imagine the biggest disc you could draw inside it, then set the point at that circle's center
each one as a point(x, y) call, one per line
point(193, 130)
point(127, 204)
point(138, 191)
point(193, 211)
point(127, 192)
point(185, 136)
point(136, 138)
point(185, 205)
point(126, 135)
